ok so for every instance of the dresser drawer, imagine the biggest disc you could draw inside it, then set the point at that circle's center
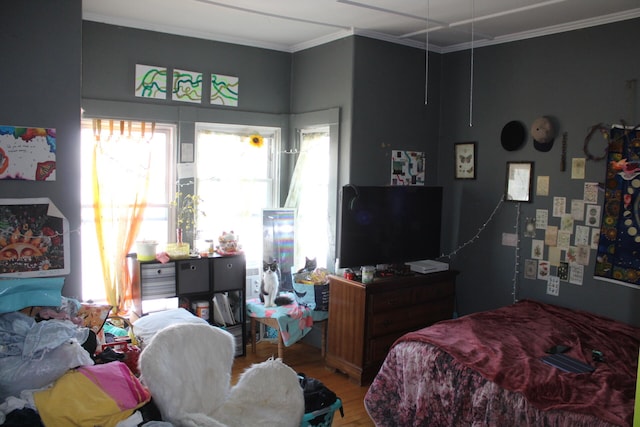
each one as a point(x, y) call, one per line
point(157, 281)
point(411, 317)
point(386, 301)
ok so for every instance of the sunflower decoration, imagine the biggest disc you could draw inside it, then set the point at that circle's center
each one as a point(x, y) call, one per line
point(256, 140)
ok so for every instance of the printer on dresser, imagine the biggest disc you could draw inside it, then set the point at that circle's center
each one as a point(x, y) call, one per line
point(195, 279)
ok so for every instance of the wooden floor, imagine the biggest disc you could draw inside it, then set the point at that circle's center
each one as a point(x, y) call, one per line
point(307, 359)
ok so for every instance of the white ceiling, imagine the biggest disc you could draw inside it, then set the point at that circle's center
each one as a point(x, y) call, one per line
point(292, 25)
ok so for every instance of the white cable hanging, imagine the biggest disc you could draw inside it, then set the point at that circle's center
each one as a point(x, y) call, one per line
point(426, 58)
point(473, 19)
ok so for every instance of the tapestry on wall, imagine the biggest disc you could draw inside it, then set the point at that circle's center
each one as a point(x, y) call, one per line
point(618, 257)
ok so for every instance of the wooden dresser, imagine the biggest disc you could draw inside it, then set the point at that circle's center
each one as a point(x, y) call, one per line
point(365, 320)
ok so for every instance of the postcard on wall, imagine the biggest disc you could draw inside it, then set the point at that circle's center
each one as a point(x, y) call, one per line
point(542, 186)
point(576, 274)
point(27, 154)
point(566, 223)
point(592, 217)
point(187, 86)
point(33, 238)
point(578, 166)
point(542, 218)
point(537, 249)
point(577, 209)
point(224, 90)
point(595, 238)
point(559, 206)
point(553, 285)
point(555, 254)
point(530, 227)
point(564, 240)
point(571, 255)
point(582, 235)
point(582, 254)
point(543, 270)
point(563, 271)
point(530, 269)
point(407, 167)
point(151, 82)
point(551, 235)
point(590, 192)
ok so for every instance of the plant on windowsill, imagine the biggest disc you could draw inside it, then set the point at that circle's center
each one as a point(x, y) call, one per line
point(187, 210)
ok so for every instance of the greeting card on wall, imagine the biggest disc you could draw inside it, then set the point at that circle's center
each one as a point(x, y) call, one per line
point(187, 86)
point(617, 255)
point(33, 238)
point(27, 153)
point(407, 168)
point(151, 82)
point(224, 90)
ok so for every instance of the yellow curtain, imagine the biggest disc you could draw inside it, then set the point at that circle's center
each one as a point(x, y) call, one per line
point(120, 188)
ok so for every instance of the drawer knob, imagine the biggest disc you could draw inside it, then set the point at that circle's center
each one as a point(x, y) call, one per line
point(159, 271)
point(229, 265)
point(193, 267)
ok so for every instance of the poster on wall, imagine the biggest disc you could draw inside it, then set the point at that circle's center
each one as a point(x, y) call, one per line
point(187, 86)
point(27, 154)
point(33, 239)
point(618, 253)
point(224, 90)
point(151, 82)
point(407, 167)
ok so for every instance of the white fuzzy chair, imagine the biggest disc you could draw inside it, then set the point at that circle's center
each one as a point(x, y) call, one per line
point(187, 368)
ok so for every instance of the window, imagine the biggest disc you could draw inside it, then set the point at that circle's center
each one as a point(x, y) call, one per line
point(235, 181)
point(155, 225)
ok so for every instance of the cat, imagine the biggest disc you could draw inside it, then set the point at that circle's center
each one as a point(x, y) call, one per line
point(270, 283)
point(310, 264)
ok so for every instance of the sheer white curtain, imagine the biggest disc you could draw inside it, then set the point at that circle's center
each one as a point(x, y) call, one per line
point(309, 195)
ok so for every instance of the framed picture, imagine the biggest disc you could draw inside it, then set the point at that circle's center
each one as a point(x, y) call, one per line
point(518, 182)
point(465, 160)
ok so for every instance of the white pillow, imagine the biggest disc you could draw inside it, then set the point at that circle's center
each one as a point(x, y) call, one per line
point(146, 327)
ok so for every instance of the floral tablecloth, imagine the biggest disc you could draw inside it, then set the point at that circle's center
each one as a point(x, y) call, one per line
point(294, 320)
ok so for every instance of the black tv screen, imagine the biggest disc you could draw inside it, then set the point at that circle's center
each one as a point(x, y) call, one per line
point(388, 224)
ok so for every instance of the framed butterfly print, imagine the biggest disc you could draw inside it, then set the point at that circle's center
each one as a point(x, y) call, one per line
point(465, 160)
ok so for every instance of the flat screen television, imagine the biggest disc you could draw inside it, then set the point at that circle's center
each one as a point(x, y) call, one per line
point(388, 224)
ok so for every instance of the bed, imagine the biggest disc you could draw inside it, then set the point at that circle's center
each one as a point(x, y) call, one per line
point(486, 369)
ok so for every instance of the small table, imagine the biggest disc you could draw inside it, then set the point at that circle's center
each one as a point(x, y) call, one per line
point(292, 321)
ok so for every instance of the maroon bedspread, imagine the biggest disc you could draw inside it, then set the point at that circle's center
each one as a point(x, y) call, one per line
point(505, 346)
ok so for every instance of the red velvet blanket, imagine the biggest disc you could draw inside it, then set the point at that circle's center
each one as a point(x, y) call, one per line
point(505, 346)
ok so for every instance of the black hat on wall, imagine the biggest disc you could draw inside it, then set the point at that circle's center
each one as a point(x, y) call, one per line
point(513, 136)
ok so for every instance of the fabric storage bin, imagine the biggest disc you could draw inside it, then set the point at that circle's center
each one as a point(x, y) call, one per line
point(322, 417)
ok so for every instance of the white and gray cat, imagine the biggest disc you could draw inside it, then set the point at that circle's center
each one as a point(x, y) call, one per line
point(270, 285)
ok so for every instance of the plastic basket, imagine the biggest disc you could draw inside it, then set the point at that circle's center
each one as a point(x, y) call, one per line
point(321, 417)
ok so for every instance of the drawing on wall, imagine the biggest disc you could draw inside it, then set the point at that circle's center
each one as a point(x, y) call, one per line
point(407, 167)
point(224, 90)
point(33, 238)
point(617, 255)
point(151, 82)
point(27, 153)
point(187, 86)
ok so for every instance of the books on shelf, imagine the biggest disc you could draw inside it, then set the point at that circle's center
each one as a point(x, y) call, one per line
point(222, 312)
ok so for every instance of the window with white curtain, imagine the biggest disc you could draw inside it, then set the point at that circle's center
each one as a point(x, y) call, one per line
point(235, 180)
point(156, 224)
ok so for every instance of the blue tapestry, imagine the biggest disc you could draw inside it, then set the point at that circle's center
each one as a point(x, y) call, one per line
point(618, 256)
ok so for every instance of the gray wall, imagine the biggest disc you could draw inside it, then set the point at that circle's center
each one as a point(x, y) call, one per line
point(389, 111)
point(580, 79)
point(40, 86)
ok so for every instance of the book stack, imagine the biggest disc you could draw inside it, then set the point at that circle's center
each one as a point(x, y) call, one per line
point(227, 314)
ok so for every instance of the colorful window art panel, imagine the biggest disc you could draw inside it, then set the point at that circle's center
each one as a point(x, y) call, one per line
point(151, 82)
point(32, 238)
point(618, 256)
point(187, 86)
point(27, 153)
point(224, 90)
